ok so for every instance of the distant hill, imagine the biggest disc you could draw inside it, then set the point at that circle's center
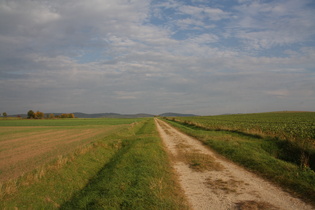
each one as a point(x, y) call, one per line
point(140, 115)
point(170, 114)
point(114, 115)
point(111, 115)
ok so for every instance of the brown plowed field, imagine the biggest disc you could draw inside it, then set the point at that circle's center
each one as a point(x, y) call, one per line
point(23, 149)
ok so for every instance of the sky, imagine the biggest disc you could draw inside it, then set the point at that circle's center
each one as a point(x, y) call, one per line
point(204, 57)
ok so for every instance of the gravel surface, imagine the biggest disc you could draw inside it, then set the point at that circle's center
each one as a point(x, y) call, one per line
point(212, 182)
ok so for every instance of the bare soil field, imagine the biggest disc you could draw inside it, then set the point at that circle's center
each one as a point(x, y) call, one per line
point(23, 149)
point(212, 182)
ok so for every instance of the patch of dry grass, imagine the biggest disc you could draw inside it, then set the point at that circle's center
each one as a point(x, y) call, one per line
point(202, 162)
point(228, 186)
point(182, 146)
point(254, 205)
point(199, 161)
point(196, 160)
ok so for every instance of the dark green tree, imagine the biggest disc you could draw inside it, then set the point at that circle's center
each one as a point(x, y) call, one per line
point(30, 114)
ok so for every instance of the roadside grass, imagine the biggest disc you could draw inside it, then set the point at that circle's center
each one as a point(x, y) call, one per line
point(138, 177)
point(128, 169)
point(260, 155)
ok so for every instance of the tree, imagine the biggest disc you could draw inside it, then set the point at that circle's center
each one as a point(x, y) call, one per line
point(39, 115)
point(30, 114)
point(68, 115)
point(4, 114)
point(64, 116)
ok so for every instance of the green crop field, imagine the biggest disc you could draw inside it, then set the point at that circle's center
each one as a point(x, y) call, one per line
point(285, 125)
point(85, 163)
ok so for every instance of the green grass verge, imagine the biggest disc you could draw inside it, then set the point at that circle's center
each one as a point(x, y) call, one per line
point(260, 155)
point(127, 170)
point(138, 177)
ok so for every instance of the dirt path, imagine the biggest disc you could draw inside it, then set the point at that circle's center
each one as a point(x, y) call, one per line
point(211, 182)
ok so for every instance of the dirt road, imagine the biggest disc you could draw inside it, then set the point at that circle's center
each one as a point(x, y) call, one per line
point(212, 182)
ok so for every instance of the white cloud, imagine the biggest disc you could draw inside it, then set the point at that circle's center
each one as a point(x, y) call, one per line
point(190, 23)
point(107, 56)
point(214, 14)
point(278, 93)
point(276, 23)
point(205, 38)
point(128, 94)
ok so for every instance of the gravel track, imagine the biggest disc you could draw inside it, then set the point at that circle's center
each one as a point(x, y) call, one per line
point(212, 182)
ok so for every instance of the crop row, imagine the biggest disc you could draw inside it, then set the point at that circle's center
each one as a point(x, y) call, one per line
point(285, 125)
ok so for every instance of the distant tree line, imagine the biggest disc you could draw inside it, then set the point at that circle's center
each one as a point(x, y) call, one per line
point(40, 115)
point(5, 115)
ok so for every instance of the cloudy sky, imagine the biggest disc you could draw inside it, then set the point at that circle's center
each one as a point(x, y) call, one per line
point(152, 56)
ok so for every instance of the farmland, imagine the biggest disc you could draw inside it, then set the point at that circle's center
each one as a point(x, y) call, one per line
point(285, 125)
point(64, 163)
point(122, 163)
point(24, 144)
